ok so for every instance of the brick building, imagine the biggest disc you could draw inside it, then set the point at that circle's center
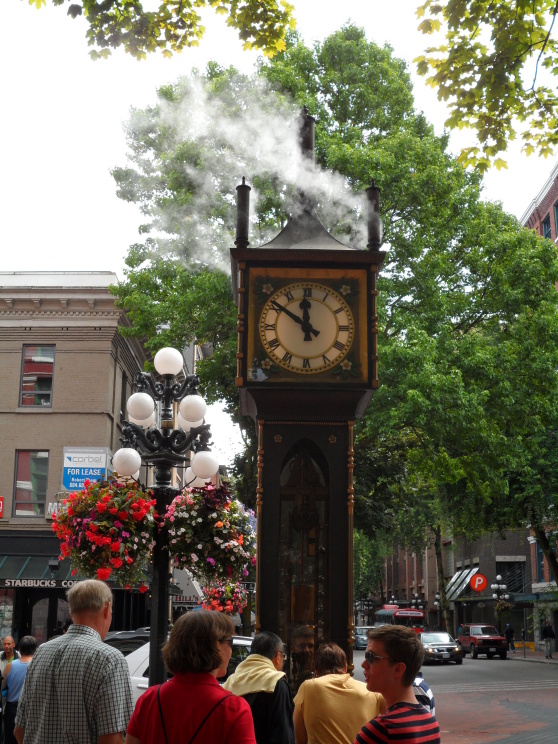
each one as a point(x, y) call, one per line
point(542, 213)
point(66, 373)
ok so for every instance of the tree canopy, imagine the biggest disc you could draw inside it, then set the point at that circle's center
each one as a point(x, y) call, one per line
point(176, 24)
point(488, 70)
point(468, 310)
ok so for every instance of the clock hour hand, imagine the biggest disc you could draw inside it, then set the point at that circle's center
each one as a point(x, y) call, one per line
point(306, 327)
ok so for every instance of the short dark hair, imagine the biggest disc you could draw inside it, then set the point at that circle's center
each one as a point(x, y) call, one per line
point(401, 645)
point(266, 644)
point(192, 644)
point(329, 659)
point(28, 645)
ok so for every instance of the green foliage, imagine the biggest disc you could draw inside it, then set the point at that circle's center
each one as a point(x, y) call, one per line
point(369, 557)
point(486, 71)
point(468, 315)
point(176, 24)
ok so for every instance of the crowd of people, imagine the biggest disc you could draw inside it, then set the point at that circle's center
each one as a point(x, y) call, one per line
point(76, 689)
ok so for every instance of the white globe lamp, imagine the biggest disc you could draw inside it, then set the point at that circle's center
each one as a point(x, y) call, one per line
point(204, 464)
point(192, 408)
point(187, 425)
point(168, 361)
point(146, 423)
point(140, 406)
point(193, 480)
point(126, 461)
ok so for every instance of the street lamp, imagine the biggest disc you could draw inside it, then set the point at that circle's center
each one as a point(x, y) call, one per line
point(499, 590)
point(165, 448)
point(416, 602)
point(438, 606)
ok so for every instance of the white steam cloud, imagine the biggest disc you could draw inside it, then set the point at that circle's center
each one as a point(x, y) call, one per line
point(245, 130)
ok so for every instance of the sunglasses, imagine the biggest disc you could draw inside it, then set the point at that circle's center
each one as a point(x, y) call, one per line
point(227, 640)
point(372, 658)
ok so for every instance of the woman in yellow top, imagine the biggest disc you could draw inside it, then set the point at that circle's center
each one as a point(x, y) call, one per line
point(333, 707)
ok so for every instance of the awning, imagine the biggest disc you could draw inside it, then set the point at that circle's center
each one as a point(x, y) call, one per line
point(33, 571)
point(459, 582)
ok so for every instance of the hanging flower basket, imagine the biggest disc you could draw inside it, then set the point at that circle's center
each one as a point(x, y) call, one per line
point(106, 530)
point(224, 597)
point(211, 534)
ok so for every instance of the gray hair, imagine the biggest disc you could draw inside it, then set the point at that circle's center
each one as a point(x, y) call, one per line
point(266, 644)
point(90, 595)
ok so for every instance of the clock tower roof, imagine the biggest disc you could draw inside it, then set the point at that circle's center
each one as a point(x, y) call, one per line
point(305, 231)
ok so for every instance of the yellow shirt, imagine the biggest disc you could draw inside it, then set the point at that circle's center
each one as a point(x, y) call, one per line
point(335, 707)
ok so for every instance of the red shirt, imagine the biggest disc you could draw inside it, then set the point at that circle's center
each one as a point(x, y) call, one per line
point(186, 699)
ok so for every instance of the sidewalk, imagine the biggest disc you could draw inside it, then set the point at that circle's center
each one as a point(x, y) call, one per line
point(533, 656)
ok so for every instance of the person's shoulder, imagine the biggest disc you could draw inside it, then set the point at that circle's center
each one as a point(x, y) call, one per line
point(235, 703)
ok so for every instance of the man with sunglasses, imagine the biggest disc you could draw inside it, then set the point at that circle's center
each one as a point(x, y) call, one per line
point(393, 657)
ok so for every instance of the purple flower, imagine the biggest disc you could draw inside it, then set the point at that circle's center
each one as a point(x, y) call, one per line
point(211, 560)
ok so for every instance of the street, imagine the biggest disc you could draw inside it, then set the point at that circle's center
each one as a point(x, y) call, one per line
point(484, 701)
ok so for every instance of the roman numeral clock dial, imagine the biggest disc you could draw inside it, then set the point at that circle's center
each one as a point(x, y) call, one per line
point(306, 328)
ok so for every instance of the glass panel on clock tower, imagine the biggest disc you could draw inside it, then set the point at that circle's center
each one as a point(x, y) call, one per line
point(303, 564)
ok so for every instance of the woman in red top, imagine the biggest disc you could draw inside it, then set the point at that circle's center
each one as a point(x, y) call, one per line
point(192, 707)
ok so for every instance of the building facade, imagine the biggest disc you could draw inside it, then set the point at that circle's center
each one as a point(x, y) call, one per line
point(542, 213)
point(66, 373)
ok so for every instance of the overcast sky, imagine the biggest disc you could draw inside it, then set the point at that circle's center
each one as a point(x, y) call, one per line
point(62, 116)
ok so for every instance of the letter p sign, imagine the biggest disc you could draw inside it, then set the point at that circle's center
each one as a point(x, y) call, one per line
point(478, 582)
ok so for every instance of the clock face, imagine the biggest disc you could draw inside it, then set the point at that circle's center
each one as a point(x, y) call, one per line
point(306, 327)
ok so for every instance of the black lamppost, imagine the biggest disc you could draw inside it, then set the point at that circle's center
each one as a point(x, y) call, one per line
point(500, 592)
point(416, 602)
point(438, 606)
point(165, 448)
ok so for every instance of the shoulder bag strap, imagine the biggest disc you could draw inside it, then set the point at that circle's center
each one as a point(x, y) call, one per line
point(207, 716)
point(161, 712)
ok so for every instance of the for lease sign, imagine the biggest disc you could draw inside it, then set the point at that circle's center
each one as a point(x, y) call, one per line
point(84, 463)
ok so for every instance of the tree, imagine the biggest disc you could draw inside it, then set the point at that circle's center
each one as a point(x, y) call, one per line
point(468, 321)
point(176, 24)
point(487, 70)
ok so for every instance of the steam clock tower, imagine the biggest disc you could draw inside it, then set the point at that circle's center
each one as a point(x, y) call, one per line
point(307, 368)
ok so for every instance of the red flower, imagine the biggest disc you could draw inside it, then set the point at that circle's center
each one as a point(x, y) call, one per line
point(143, 588)
point(139, 515)
point(101, 507)
point(115, 547)
point(103, 573)
point(71, 512)
point(116, 562)
point(122, 515)
point(113, 510)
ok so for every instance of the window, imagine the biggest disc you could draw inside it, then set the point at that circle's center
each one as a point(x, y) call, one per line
point(547, 232)
point(36, 376)
point(30, 483)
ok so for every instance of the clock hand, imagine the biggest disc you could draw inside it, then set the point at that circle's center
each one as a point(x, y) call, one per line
point(306, 327)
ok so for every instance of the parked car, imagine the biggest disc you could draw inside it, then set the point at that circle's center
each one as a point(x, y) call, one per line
point(138, 664)
point(478, 638)
point(127, 641)
point(440, 647)
point(361, 639)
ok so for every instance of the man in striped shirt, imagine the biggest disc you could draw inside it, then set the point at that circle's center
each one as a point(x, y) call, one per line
point(393, 658)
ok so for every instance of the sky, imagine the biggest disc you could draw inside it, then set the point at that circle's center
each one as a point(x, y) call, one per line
point(62, 120)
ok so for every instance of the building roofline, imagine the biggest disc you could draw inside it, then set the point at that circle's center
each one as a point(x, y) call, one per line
point(534, 204)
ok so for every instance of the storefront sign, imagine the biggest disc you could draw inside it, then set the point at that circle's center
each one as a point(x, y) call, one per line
point(36, 583)
point(1, 507)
